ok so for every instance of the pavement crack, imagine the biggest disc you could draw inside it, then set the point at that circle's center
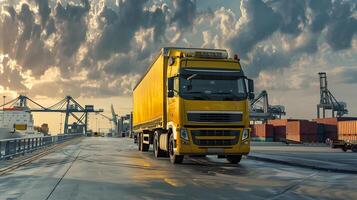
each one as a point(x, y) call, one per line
point(64, 174)
point(292, 186)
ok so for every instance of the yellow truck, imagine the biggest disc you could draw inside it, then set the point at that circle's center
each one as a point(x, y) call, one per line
point(194, 102)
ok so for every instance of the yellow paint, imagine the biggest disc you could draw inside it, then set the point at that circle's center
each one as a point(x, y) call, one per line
point(173, 182)
point(148, 96)
point(20, 127)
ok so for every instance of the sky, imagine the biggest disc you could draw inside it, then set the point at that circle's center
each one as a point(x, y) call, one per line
point(97, 50)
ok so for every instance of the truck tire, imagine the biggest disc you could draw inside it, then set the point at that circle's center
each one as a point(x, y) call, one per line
point(144, 147)
point(234, 159)
point(344, 148)
point(139, 141)
point(354, 148)
point(157, 151)
point(175, 159)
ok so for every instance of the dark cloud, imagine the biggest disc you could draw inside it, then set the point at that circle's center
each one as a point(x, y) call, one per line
point(343, 25)
point(11, 77)
point(300, 23)
point(293, 16)
point(320, 14)
point(8, 31)
point(185, 13)
point(44, 11)
point(265, 58)
point(71, 26)
point(261, 23)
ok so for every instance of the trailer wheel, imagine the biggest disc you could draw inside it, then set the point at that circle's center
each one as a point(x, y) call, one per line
point(144, 147)
point(234, 159)
point(157, 151)
point(354, 148)
point(139, 141)
point(175, 159)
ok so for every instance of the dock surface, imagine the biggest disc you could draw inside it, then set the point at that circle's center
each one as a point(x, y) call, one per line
point(112, 168)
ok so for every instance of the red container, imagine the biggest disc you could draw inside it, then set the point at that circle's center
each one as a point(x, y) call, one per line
point(302, 131)
point(263, 131)
point(280, 128)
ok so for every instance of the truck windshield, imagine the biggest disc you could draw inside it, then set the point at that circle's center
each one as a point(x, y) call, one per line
point(211, 87)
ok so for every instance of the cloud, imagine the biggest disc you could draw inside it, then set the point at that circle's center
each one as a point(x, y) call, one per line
point(258, 22)
point(185, 13)
point(111, 43)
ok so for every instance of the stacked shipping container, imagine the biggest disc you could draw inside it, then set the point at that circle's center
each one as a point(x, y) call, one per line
point(347, 130)
point(306, 131)
point(330, 126)
point(262, 132)
point(279, 128)
point(302, 131)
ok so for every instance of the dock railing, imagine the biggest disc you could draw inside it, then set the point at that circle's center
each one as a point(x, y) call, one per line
point(20, 146)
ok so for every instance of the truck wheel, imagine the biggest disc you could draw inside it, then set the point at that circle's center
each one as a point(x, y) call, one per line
point(144, 147)
point(234, 159)
point(139, 141)
point(354, 148)
point(175, 159)
point(157, 151)
point(344, 148)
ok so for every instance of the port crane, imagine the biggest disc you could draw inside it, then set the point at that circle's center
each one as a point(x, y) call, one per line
point(67, 105)
point(113, 120)
point(328, 101)
point(260, 110)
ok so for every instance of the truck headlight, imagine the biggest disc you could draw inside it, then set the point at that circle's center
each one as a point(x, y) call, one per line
point(183, 134)
point(245, 134)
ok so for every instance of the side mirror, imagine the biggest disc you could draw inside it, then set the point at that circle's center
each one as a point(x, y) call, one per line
point(250, 89)
point(170, 87)
point(250, 86)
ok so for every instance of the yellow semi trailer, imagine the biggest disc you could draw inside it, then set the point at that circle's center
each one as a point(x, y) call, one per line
point(193, 101)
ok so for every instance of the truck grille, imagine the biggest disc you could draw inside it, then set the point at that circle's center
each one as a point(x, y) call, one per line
point(215, 133)
point(214, 117)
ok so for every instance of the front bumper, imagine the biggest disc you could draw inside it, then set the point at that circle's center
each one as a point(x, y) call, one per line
point(184, 147)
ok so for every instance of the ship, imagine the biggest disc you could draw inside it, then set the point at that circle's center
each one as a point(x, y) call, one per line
point(17, 122)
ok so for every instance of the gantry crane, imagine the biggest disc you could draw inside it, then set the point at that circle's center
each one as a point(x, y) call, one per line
point(328, 101)
point(113, 120)
point(68, 105)
point(260, 110)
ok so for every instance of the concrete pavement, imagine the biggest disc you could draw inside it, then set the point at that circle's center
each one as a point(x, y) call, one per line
point(315, 157)
point(112, 168)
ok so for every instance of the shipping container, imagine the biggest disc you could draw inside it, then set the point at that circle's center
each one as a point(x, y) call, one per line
point(302, 131)
point(347, 128)
point(263, 130)
point(279, 128)
point(330, 126)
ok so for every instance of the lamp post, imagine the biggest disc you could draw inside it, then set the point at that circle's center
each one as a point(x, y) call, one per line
point(3, 109)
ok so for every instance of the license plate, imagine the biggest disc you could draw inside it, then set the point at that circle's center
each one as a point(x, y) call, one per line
point(215, 150)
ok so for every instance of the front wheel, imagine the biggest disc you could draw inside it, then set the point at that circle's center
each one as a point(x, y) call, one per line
point(234, 159)
point(175, 159)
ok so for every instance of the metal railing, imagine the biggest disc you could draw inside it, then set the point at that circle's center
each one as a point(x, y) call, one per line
point(21, 146)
